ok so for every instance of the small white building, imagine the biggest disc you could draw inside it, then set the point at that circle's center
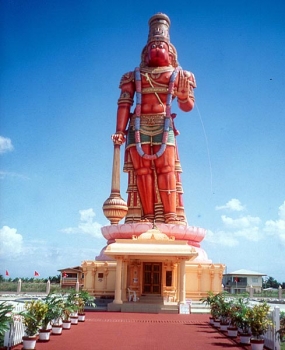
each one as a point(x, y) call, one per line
point(240, 281)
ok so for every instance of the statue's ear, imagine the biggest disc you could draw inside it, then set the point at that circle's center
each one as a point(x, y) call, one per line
point(173, 56)
point(171, 59)
point(144, 57)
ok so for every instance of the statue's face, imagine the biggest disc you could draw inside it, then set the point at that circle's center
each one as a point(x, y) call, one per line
point(158, 54)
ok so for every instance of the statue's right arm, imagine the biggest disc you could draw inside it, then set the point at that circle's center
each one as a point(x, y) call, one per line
point(125, 102)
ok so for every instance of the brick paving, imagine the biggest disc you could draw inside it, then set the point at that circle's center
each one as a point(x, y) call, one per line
point(135, 331)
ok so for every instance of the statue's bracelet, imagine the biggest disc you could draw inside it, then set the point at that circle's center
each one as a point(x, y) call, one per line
point(183, 101)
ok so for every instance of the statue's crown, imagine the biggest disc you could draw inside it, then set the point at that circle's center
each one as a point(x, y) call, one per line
point(159, 28)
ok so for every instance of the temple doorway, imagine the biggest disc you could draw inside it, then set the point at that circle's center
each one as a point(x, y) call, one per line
point(152, 278)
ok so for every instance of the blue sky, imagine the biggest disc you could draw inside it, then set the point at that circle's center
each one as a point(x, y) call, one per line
point(61, 63)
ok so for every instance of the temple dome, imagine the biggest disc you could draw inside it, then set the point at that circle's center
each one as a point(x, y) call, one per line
point(155, 234)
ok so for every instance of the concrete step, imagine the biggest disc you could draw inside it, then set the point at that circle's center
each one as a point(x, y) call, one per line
point(151, 299)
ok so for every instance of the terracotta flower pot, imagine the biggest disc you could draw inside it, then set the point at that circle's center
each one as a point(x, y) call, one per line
point(232, 332)
point(44, 334)
point(66, 325)
point(257, 344)
point(29, 342)
point(244, 338)
point(56, 329)
point(74, 319)
point(81, 317)
point(224, 326)
point(217, 323)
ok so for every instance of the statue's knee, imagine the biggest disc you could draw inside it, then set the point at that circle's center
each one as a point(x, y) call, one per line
point(165, 169)
point(143, 171)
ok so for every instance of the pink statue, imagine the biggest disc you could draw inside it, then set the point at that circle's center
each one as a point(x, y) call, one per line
point(151, 157)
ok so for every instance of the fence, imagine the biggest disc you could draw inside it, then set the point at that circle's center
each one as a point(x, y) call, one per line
point(17, 330)
point(28, 287)
point(270, 338)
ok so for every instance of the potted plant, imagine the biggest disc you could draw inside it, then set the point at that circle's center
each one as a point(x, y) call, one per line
point(83, 299)
point(6, 318)
point(210, 301)
point(69, 308)
point(239, 319)
point(55, 307)
point(259, 324)
point(35, 311)
point(71, 303)
point(52, 303)
point(220, 307)
point(224, 305)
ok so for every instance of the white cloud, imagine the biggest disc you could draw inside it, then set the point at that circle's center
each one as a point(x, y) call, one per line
point(242, 222)
point(86, 224)
point(281, 211)
point(221, 238)
point(277, 227)
point(236, 230)
point(252, 233)
point(11, 242)
point(4, 174)
point(249, 228)
point(233, 205)
point(5, 145)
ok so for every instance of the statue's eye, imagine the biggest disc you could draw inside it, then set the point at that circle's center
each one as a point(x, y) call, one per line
point(161, 46)
point(153, 46)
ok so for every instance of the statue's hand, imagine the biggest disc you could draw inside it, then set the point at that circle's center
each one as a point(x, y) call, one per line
point(118, 138)
point(183, 89)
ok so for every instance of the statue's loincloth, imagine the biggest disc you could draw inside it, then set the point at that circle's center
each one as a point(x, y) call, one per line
point(151, 130)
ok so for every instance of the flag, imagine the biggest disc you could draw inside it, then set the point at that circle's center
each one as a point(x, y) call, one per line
point(7, 273)
point(36, 274)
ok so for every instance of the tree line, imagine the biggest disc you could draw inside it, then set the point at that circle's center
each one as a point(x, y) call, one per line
point(53, 279)
point(270, 282)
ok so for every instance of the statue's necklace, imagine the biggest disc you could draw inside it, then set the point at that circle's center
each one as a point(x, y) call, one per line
point(166, 118)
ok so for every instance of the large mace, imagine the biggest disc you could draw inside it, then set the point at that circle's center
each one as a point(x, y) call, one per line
point(115, 208)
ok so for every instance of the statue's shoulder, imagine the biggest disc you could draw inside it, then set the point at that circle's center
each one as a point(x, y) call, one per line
point(191, 77)
point(127, 78)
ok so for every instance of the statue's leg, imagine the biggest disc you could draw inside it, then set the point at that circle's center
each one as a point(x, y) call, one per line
point(145, 181)
point(166, 179)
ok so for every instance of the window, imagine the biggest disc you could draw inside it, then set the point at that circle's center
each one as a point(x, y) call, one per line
point(254, 279)
point(100, 275)
point(168, 278)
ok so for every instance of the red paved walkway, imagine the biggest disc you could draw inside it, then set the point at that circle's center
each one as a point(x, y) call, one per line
point(124, 331)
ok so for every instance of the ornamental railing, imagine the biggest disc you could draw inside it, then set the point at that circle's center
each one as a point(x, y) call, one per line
point(271, 340)
point(17, 330)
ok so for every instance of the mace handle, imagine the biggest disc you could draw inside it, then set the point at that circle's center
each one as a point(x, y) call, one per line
point(115, 186)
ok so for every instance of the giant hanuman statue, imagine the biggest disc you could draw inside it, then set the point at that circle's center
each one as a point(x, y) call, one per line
point(151, 157)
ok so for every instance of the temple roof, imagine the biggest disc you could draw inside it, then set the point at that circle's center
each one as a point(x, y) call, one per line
point(246, 273)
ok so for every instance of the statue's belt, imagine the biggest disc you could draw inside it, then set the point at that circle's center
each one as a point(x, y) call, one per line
point(150, 120)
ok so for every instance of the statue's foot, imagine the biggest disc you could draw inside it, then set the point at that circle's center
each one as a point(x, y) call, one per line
point(174, 220)
point(177, 222)
point(145, 220)
point(148, 218)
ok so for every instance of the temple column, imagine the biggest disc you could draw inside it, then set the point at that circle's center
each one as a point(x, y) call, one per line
point(118, 286)
point(124, 280)
point(182, 289)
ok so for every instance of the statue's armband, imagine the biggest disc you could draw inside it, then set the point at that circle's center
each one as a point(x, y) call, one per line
point(126, 94)
point(125, 97)
point(192, 84)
